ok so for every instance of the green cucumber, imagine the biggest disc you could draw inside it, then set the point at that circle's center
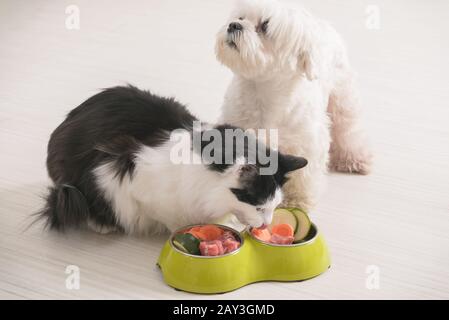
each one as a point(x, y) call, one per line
point(179, 246)
point(284, 216)
point(304, 224)
point(187, 243)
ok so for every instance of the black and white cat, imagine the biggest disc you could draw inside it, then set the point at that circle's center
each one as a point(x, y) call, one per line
point(111, 169)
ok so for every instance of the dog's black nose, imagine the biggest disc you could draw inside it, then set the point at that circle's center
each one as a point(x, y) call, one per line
point(234, 26)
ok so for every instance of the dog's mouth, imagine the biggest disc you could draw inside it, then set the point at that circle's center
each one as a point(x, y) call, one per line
point(231, 44)
point(231, 39)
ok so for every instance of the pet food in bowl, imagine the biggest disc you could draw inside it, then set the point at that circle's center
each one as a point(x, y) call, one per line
point(289, 226)
point(250, 259)
point(206, 240)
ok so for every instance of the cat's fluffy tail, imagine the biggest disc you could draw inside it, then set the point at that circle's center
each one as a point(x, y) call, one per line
point(65, 207)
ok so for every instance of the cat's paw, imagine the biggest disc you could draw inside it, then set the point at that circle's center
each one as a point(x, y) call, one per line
point(102, 229)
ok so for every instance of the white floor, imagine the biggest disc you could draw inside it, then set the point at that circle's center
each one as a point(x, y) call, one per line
point(396, 219)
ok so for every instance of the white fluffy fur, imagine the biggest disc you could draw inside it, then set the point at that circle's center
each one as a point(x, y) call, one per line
point(295, 78)
point(163, 194)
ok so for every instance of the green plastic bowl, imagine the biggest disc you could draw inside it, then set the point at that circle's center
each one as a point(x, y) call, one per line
point(254, 261)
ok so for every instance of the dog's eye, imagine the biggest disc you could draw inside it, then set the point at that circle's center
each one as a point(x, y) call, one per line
point(240, 18)
point(259, 210)
point(264, 26)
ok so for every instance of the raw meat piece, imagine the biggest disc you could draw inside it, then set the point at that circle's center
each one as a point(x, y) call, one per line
point(230, 245)
point(227, 235)
point(277, 239)
point(211, 248)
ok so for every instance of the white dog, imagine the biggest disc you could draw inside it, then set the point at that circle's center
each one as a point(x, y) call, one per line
point(292, 74)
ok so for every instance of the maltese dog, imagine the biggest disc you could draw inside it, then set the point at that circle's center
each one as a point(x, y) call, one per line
point(291, 73)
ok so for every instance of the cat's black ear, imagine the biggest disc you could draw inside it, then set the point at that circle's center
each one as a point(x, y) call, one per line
point(289, 163)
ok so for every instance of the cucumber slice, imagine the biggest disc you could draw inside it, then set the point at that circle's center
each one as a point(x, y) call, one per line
point(179, 246)
point(304, 224)
point(187, 243)
point(284, 216)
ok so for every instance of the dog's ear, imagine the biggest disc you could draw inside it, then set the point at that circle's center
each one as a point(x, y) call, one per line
point(307, 64)
point(308, 55)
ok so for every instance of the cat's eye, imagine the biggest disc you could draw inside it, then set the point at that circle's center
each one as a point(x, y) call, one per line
point(259, 209)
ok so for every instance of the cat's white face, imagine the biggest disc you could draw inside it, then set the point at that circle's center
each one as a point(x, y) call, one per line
point(254, 196)
point(257, 215)
point(244, 176)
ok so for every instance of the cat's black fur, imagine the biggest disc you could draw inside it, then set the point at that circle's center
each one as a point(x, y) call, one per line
point(110, 127)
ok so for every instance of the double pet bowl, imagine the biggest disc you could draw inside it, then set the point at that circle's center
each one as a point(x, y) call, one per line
point(254, 261)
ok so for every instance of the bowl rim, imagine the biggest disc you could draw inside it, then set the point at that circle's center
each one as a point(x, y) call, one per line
point(239, 234)
point(247, 230)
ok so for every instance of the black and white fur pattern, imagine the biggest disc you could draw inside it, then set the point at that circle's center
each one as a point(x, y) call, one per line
point(110, 166)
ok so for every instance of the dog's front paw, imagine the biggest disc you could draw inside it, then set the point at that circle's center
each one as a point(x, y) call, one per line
point(355, 161)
